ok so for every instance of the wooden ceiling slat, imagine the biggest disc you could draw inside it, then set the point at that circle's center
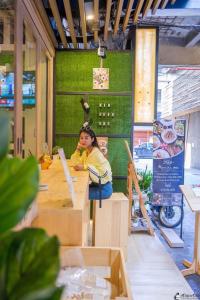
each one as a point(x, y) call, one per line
point(45, 20)
point(137, 11)
point(108, 9)
point(83, 22)
point(147, 7)
point(118, 15)
point(70, 22)
point(164, 3)
point(128, 12)
point(56, 15)
point(155, 6)
point(96, 18)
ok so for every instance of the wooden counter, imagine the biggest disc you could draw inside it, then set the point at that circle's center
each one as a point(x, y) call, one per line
point(56, 214)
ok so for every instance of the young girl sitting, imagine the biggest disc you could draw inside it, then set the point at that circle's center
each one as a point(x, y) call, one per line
point(93, 160)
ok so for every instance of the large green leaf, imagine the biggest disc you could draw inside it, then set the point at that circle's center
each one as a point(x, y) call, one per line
point(18, 188)
point(4, 134)
point(29, 264)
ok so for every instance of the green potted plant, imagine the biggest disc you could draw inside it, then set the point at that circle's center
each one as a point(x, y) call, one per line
point(55, 152)
point(144, 180)
point(29, 259)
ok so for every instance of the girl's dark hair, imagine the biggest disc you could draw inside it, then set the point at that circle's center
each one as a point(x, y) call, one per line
point(91, 133)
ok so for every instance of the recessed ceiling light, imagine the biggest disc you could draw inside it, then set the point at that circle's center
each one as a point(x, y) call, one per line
point(89, 17)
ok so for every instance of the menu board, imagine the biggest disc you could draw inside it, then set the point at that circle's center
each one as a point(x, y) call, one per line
point(196, 189)
point(168, 161)
point(67, 175)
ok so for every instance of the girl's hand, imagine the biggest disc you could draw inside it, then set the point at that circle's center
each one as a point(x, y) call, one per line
point(78, 167)
point(79, 147)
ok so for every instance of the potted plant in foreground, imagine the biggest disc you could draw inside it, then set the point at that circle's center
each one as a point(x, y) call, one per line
point(29, 259)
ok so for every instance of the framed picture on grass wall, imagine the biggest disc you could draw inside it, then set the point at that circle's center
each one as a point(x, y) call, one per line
point(100, 78)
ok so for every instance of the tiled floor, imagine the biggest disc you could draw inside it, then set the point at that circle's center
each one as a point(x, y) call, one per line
point(192, 176)
point(152, 272)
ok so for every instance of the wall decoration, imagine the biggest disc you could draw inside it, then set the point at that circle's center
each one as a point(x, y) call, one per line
point(100, 78)
point(145, 72)
point(103, 145)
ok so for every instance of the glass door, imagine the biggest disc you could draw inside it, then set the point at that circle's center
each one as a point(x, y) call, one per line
point(29, 92)
point(7, 99)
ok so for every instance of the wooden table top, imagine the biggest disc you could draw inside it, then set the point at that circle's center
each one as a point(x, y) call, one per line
point(58, 195)
point(192, 199)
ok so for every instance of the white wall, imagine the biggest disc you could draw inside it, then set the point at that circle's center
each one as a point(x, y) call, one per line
point(175, 55)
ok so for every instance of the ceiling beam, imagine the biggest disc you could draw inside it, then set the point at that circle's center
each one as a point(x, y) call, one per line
point(96, 19)
point(108, 9)
point(137, 11)
point(46, 21)
point(117, 17)
point(147, 7)
point(193, 40)
point(155, 6)
point(70, 22)
point(128, 12)
point(56, 16)
point(83, 22)
point(164, 3)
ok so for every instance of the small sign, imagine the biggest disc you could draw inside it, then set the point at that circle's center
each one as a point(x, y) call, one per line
point(103, 145)
point(196, 189)
point(67, 175)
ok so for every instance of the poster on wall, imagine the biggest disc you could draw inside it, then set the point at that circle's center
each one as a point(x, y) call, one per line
point(100, 78)
point(168, 161)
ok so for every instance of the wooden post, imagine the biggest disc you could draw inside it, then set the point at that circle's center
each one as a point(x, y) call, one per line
point(197, 245)
point(18, 79)
point(130, 197)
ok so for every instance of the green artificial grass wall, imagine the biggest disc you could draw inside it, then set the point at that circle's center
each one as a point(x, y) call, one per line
point(106, 120)
point(117, 156)
point(69, 114)
point(6, 59)
point(111, 113)
point(120, 185)
point(67, 143)
point(74, 70)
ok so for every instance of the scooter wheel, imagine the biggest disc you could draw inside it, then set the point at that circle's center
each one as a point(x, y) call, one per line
point(171, 216)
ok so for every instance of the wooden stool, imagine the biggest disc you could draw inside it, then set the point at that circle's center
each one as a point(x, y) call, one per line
point(110, 223)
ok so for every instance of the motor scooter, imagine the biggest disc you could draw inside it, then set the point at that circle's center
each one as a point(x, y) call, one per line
point(168, 216)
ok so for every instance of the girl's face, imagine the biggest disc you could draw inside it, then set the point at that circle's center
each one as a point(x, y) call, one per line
point(86, 140)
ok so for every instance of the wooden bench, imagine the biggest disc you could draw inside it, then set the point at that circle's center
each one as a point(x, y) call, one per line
point(110, 222)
